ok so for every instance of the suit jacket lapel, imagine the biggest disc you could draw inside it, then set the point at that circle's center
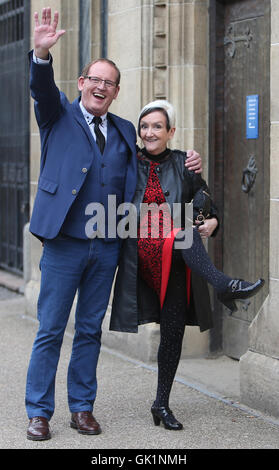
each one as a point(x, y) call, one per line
point(77, 113)
point(115, 119)
point(123, 130)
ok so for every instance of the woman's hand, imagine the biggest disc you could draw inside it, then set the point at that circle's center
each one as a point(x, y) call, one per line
point(208, 227)
point(45, 34)
point(193, 161)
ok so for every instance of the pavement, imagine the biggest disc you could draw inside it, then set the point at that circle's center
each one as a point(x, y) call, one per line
point(205, 398)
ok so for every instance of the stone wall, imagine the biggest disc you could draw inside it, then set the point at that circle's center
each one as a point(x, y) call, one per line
point(259, 367)
point(161, 49)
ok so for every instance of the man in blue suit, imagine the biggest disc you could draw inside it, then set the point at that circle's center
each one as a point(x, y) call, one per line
point(87, 154)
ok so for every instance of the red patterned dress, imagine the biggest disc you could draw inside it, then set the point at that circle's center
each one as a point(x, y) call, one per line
point(155, 252)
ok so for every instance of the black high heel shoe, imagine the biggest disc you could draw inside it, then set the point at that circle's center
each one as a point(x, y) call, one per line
point(236, 290)
point(165, 415)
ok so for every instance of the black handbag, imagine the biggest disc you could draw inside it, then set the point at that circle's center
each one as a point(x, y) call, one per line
point(201, 206)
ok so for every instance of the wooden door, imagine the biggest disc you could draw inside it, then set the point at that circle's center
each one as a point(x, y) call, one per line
point(242, 147)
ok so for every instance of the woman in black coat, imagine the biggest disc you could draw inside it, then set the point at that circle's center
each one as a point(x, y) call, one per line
point(161, 279)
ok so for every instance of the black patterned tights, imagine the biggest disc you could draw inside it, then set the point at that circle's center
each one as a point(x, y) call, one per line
point(172, 326)
point(172, 319)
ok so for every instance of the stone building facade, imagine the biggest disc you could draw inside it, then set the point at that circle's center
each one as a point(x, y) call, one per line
point(164, 50)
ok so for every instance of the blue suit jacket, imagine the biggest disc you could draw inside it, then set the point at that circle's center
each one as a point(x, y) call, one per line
point(66, 149)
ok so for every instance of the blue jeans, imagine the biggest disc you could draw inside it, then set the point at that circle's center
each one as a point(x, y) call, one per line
point(68, 266)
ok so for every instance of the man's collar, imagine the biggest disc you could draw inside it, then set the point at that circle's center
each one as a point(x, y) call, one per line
point(88, 116)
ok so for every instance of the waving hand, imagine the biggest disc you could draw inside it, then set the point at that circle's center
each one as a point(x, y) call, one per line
point(45, 33)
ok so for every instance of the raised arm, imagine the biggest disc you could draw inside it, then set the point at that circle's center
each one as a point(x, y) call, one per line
point(43, 88)
point(45, 33)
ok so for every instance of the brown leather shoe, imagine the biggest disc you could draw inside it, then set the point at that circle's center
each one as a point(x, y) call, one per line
point(38, 429)
point(85, 423)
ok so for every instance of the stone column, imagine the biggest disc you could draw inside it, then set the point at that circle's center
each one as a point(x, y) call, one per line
point(85, 39)
point(188, 91)
point(259, 367)
point(130, 46)
point(161, 50)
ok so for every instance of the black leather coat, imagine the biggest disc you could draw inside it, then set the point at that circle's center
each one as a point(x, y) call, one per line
point(134, 302)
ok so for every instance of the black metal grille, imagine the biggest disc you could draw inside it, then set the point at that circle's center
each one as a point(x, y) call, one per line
point(14, 131)
point(11, 21)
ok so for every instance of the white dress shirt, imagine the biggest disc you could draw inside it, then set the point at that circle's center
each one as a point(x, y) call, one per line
point(88, 118)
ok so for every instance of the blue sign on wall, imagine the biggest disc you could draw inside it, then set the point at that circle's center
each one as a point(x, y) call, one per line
point(252, 117)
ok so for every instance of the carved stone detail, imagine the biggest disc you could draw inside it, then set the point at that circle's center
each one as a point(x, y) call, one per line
point(161, 49)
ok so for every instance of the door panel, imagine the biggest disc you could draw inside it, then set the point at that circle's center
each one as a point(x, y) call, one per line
point(245, 28)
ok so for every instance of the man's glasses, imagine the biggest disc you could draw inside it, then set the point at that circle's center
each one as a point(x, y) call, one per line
point(98, 81)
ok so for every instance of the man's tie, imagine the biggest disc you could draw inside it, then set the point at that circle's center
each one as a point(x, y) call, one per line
point(100, 138)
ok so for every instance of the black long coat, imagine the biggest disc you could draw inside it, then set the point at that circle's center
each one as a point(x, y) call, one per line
point(134, 302)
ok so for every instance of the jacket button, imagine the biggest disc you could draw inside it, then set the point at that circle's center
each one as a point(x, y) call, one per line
point(74, 191)
point(84, 170)
point(167, 193)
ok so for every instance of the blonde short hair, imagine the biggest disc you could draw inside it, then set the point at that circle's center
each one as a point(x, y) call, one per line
point(159, 105)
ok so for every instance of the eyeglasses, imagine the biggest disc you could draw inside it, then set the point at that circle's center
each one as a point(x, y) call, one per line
point(98, 81)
